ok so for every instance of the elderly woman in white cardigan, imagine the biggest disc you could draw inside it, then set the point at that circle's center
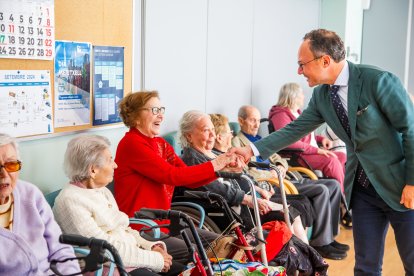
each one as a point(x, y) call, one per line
point(86, 207)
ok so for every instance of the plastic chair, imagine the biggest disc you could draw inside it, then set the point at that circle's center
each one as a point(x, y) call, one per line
point(235, 127)
point(172, 139)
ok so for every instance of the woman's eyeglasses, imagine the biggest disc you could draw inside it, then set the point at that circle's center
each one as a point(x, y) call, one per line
point(155, 110)
point(12, 166)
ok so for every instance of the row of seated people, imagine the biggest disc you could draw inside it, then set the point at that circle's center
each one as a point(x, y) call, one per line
point(324, 194)
point(147, 170)
point(325, 152)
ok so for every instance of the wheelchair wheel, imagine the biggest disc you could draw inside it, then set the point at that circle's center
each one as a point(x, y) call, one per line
point(208, 225)
point(294, 175)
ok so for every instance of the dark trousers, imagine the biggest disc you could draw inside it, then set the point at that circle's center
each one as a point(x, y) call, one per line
point(325, 197)
point(371, 217)
point(177, 248)
point(175, 269)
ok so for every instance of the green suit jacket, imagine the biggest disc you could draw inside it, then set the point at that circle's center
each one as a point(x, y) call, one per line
point(381, 118)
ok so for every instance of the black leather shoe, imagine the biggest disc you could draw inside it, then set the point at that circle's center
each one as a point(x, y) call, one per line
point(330, 252)
point(340, 246)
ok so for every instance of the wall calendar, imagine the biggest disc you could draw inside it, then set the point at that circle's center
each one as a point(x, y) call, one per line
point(27, 29)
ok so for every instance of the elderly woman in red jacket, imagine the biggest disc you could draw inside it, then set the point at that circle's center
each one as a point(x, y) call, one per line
point(148, 168)
point(331, 163)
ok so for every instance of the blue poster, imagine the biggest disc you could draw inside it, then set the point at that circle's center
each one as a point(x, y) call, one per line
point(108, 83)
point(72, 83)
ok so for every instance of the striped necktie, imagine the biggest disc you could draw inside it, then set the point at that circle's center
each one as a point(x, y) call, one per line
point(360, 176)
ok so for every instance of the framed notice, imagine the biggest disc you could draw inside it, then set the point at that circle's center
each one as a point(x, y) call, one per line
point(72, 83)
point(108, 83)
point(25, 102)
point(27, 29)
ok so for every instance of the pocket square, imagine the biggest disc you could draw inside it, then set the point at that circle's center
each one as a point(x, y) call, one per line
point(361, 111)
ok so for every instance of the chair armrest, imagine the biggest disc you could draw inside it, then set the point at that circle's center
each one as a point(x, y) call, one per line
point(147, 222)
point(195, 206)
point(305, 171)
point(85, 251)
point(290, 189)
point(290, 151)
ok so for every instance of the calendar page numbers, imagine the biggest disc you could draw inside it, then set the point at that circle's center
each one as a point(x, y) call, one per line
point(27, 29)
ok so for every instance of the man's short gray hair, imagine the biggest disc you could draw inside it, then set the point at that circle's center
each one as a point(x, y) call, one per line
point(187, 124)
point(82, 153)
point(244, 111)
point(6, 139)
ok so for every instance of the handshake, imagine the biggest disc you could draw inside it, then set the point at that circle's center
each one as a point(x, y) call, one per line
point(229, 162)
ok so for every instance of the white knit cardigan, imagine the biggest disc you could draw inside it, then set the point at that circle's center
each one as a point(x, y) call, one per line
point(95, 213)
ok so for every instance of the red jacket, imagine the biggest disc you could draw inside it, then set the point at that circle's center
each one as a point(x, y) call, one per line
point(148, 169)
point(280, 117)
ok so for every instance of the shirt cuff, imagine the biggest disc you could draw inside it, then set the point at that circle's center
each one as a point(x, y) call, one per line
point(254, 149)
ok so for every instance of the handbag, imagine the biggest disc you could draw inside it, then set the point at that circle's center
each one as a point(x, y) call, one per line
point(226, 247)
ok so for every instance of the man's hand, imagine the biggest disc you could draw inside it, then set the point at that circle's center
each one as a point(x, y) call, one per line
point(282, 171)
point(326, 143)
point(245, 152)
point(407, 197)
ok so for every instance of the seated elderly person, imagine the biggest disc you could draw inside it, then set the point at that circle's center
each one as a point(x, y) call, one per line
point(86, 207)
point(29, 235)
point(197, 137)
point(324, 194)
point(223, 144)
point(287, 109)
point(149, 170)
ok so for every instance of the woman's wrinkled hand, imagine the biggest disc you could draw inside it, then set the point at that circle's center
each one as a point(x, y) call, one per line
point(327, 153)
point(264, 193)
point(264, 207)
point(228, 161)
point(167, 257)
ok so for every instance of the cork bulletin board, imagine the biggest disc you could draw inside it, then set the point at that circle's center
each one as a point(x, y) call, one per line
point(98, 22)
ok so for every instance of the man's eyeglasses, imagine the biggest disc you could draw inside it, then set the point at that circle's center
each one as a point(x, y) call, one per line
point(12, 166)
point(303, 64)
point(155, 110)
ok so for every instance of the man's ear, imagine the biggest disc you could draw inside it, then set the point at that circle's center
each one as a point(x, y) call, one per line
point(326, 60)
point(240, 120)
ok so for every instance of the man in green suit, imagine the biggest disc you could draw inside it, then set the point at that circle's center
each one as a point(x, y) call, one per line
point(372, 113)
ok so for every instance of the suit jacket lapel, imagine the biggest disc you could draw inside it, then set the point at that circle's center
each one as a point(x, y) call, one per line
point(333, 120)
point(354, 92)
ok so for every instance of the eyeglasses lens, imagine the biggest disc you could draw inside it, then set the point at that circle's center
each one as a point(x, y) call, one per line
point(158, 110)
point(12, 166)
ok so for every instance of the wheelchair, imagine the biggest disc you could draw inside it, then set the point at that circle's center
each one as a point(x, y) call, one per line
point(299, 168)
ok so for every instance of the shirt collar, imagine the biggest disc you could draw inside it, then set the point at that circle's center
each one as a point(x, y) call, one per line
point(343, 77)
point(252, 138)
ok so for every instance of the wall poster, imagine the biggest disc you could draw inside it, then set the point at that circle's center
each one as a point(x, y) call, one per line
point(27, 29)
point(108, 83)
point(25, 102)
point(72, 83)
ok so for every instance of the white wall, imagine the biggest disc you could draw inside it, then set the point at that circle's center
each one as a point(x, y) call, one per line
point(279, 27)
point(385, 34)
point(43, 158)
point(229, 56)
point(216, 55)
point(175, 61)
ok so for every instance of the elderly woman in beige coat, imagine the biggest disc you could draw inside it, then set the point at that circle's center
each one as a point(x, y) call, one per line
point(86, 207)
